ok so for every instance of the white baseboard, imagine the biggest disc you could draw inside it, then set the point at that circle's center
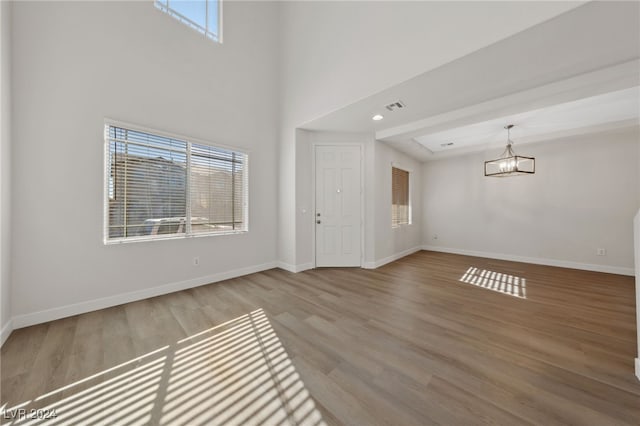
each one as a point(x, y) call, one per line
point(638, 368)
point(6, 332)
point(26, 320)
point(536, 260)
point(295, 268)
point(378, 263)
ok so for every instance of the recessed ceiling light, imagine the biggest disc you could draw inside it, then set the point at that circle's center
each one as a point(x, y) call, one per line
point(377, 117)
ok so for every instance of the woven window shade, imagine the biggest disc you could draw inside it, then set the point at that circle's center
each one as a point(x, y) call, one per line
point(399, 197)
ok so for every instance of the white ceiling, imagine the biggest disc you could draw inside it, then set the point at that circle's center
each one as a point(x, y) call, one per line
point(576, 73)
point(622, 106)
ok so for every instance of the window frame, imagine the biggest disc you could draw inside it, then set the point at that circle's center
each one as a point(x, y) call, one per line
point(409, 198)
point(189, 141)
point(165, 7)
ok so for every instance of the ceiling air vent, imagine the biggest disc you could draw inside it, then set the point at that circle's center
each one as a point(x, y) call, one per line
point(394, 106)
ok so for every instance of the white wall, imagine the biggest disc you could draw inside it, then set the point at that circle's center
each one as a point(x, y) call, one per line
point(304, 226)
point(391, 243)
point(636, 225)
point(583, 196)
point(5, 170)
point(335, 53)
point(76, 63)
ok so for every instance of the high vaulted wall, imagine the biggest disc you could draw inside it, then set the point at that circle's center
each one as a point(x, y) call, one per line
point(76, 63)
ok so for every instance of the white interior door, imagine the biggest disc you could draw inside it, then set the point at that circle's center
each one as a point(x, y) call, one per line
point(338, 199)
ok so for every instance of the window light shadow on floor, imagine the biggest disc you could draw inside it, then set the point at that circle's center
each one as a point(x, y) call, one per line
point(496, 281)
point(237, 373)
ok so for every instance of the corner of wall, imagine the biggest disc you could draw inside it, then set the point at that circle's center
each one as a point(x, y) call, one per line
point(6, 325)
point(381, 262)
point(294, 268)
point(5, 332)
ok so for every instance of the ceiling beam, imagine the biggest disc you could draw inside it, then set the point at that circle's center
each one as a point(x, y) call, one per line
point(618, 77)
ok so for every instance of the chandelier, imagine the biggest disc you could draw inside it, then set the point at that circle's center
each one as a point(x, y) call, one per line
point(509, 163)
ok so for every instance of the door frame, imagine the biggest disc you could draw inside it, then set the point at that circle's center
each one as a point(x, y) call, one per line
point(361, 147)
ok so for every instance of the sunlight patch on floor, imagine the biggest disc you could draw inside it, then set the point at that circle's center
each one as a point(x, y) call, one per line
point(237, 373)
point(496, 281)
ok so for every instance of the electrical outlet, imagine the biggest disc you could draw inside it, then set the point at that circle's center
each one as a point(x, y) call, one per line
point(601, 252)
point(196, 261)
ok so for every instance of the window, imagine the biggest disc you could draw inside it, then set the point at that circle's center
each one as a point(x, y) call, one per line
point(158, 186)
point(400, 206)
point(203, 16)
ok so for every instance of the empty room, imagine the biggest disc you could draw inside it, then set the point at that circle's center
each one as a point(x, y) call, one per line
point(224, 212)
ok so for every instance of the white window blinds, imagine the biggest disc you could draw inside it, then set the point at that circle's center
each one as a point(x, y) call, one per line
point(400, 208)
point(164, 187)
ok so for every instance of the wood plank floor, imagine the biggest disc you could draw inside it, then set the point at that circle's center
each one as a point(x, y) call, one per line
point(430, 339)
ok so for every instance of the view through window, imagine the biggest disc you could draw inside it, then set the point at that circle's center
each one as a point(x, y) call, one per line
point(159, 187)
point(202, 15)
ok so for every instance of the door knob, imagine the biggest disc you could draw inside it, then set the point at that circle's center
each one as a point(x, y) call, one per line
point(318, 222)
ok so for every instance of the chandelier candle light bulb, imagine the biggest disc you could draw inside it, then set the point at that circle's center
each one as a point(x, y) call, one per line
point(509, 163)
